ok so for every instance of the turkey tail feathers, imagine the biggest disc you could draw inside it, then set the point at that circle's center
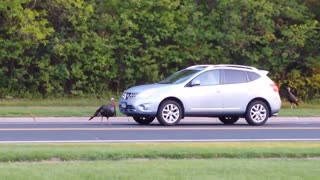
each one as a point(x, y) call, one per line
point(91, 118)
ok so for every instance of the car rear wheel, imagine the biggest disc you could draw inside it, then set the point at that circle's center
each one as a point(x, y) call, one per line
point(143, 120)
point(257, 113)
point(169, 113)
point(229, 119)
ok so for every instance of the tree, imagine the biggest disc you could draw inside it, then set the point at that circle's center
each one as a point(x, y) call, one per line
point(23, 29)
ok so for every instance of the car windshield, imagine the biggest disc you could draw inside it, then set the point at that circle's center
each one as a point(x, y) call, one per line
point(179, 76)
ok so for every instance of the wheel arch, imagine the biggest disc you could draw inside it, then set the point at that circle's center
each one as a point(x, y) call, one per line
point(173, 99)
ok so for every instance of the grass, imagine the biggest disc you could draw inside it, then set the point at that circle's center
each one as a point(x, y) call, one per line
point(47, 111)
point(246, 160)
point(159, 169)
point(312, 112)
point(68, 107)
point(73, 102)
point(90, 152)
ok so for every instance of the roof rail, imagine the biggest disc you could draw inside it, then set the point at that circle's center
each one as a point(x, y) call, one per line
point(203, 66)
point(199, 66)
point(236, 66)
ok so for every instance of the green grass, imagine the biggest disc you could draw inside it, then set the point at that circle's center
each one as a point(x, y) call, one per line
point(47, 111)
point(68, 107)
point(245, 160)
point(89, 152)
point(312, 112)
point(73, 102)
point(160, 169)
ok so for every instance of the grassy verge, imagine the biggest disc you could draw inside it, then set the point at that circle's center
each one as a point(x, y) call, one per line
point(246, 160)
point(79, 107)
point(301, 112)
point(159, 169)
point(47, 111)
point(89, 152)
point(77, 102)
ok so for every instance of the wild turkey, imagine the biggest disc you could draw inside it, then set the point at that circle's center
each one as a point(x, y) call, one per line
point(292, 98)
point(107, 111)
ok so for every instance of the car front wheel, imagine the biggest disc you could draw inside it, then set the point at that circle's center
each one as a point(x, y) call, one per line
point(229, 119)
point(143, 120)
point(169, 113)
point(257, 113)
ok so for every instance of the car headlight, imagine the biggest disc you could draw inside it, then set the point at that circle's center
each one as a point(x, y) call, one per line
point(145, 94)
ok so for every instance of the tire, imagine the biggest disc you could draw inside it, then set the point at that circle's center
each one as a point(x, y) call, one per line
point(169, 113)
point(257, 113)
point(143, 120)
point(229, 119)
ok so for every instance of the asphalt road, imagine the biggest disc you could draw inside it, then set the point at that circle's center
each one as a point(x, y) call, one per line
point(123, 129)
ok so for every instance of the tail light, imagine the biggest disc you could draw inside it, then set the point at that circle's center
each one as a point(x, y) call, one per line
point(274, 87)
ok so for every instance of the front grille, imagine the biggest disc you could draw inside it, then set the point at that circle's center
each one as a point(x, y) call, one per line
point(128, 110)
point(127, 96)
point(130, 107)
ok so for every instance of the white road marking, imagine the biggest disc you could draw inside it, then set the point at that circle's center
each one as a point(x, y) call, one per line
point(162, 140)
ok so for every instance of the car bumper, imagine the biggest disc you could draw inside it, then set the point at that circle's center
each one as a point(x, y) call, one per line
point(138, 108)
point(275, 106)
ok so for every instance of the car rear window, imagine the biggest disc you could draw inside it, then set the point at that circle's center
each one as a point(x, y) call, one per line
point(253, 76)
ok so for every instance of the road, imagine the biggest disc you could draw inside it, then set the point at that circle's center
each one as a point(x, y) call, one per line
point(123, 129)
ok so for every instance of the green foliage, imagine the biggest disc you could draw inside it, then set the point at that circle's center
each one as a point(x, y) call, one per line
point(76, 47)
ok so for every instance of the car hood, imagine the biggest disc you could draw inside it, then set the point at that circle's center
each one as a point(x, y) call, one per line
point(138, 89)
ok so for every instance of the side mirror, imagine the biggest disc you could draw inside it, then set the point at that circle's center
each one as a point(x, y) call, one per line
point(195, 82)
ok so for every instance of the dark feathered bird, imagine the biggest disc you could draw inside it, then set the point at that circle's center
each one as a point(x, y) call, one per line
point(292, 98)
point(107, 111)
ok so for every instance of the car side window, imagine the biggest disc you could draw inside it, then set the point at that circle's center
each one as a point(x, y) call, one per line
point(234, 76)
point(209, 78)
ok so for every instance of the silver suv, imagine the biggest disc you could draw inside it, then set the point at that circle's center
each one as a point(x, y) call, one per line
point(225, 91)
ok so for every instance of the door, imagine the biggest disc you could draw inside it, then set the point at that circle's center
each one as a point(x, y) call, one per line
point(235, 88)
point(203, 95)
